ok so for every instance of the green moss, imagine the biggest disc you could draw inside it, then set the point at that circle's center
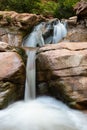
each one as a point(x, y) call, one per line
point(58, 8)
point(1, 16)
point(22, 53)
point(8, 18)
point(8, 89)
point(59, 90)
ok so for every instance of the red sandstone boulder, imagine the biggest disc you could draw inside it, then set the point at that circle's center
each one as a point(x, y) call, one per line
point(62, 69)
point(12, 75)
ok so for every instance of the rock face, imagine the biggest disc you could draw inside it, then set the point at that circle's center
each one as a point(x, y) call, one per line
point(62, 72)
point(13, 26)
point(12, 75)
point(76, 33)
point(77, 30)
point(81, 9)
point(77, 25)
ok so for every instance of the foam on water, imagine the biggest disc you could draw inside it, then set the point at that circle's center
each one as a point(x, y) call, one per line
point(41, 114)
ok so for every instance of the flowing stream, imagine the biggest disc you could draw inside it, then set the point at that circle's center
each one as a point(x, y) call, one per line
point(43, 113)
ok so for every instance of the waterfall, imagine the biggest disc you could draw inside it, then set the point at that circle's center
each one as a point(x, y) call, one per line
point(30, 76)
point(37, 36)
point(36, 39)
point(43, 113)
point(60, 32)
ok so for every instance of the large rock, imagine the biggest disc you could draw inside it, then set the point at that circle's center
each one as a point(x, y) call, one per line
point(81, 12)
point(76, 33)
point(77, 30)
point(77, 25)
point(62, 72)
point(12, 75)
point(81, 9)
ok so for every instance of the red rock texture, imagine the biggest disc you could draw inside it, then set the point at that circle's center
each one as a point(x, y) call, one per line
point(63, 67)
point(12, 75)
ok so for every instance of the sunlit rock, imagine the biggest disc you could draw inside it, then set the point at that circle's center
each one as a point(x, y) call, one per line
point(63, 69)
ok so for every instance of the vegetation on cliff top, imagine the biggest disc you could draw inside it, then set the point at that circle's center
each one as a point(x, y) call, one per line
point(54, 8)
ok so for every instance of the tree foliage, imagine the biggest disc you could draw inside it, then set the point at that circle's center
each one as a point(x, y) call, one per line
point(56, 8)
point(19, 5)
point(65, 8)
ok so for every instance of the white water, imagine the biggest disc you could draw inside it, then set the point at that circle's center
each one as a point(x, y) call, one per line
point(41, 114)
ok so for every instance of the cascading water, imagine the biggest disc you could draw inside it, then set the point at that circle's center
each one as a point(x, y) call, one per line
point(36, 39)
point(60, 32)
point(30, 76)
point(37, 36)
point(43, 113)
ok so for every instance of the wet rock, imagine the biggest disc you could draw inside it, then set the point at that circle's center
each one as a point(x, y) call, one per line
point(63, 67)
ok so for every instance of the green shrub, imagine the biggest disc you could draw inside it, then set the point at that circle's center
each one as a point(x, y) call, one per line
point(47, 8)
point(56, 8)
point(65, 8)
point(23, 5)
point(1, 17)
